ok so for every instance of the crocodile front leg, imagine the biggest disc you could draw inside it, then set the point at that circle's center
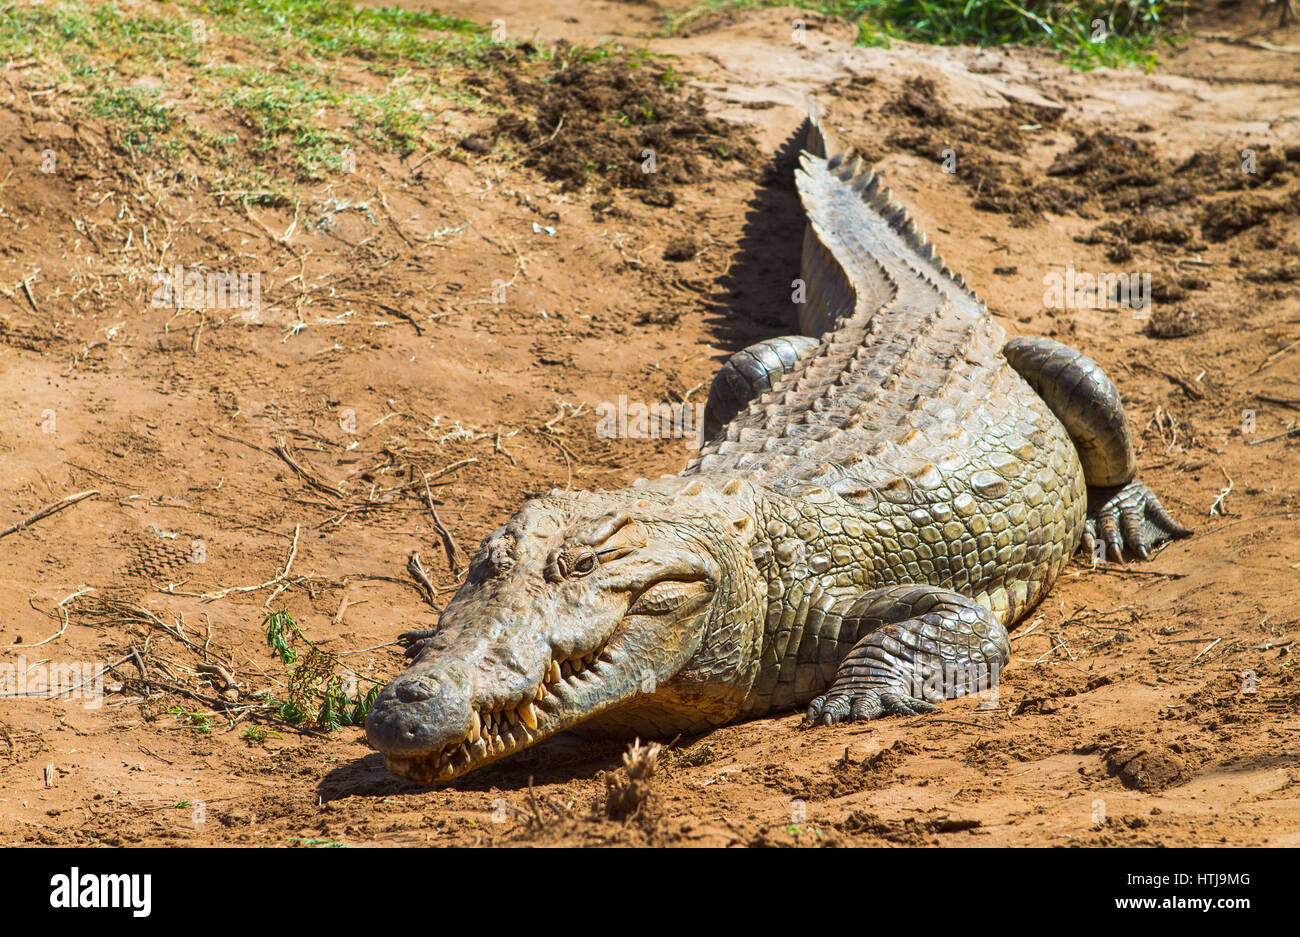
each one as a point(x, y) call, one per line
point(748, 374)
point(920, 645)
point(1122, 512)
point(414, 642)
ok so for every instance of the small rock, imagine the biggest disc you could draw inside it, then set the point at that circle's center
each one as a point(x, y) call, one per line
point(476, 143)
point(682, 247)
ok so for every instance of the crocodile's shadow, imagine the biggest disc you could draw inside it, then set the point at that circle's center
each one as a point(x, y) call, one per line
point(753, 299)
point(565, 757)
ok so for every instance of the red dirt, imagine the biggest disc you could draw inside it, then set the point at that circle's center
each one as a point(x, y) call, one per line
point(1125, 717)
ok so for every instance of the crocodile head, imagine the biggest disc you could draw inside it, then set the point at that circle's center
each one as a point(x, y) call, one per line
point(579, 605)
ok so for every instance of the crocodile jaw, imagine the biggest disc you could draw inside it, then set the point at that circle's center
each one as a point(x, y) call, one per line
point(565, 697)
point(570, 691)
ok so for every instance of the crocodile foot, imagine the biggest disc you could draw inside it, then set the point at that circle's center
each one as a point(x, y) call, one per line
point(837, 706)
point(916, 645)
point(1128, 518)
point(415, 641)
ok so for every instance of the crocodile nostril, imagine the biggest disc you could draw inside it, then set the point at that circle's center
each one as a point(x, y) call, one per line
point(416, 691)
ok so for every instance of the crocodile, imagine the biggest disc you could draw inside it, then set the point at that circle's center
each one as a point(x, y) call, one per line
point(881, 497)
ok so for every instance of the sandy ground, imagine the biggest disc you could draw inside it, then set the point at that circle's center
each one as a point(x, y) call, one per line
point(1153, 704)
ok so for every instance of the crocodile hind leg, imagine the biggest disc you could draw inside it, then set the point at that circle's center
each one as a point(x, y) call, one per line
point(1122, 511)
point(748, 374)
point(920, 645)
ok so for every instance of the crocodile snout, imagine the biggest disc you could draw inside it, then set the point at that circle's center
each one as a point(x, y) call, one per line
point(421, 712)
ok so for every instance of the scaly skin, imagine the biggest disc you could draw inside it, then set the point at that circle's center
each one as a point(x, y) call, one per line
point(856, 539)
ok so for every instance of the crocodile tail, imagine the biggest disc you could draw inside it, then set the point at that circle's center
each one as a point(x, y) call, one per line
point(833, 190)
point(815, 136)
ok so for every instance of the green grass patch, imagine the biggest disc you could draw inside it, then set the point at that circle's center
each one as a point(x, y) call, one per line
point(315, 79)
point(394, 119)
point(75, 34)
point(328, 29)
point(336, 28)
point(1088, 34)
point(140, 117)
point(285, 113)
point(264, 97)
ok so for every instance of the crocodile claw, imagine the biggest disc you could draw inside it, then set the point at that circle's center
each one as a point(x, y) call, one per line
point(830, 708)
point(1128, 518)
point(414, 641)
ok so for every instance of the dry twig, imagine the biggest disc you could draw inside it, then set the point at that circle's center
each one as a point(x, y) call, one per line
point(49, 509)
point(416, 569)
point(455, 559)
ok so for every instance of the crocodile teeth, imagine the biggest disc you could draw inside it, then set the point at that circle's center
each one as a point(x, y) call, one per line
point(512, 716)
point(566, 670)
point(554, 675)
point(528, 714)
point(541, 692)
point(578, 665)
point(476, 728)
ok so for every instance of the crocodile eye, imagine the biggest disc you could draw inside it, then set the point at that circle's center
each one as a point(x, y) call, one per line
point(584, 564)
